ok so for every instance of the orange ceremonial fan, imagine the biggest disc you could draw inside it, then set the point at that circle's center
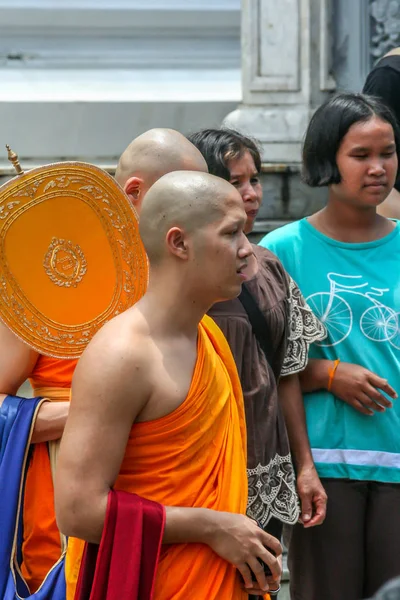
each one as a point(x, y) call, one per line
point(70, 255)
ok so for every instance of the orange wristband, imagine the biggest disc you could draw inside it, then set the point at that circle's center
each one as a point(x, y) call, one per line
point(332, 372)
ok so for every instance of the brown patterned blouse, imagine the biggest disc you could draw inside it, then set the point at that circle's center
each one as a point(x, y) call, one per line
point(291, 328)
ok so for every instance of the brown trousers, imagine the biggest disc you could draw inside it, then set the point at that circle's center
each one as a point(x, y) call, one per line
point(357, 548)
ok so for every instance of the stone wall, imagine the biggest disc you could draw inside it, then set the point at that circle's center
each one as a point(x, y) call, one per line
point(285, 197)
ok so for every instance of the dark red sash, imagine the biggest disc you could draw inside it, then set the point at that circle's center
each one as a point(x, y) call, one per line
point(125, 563)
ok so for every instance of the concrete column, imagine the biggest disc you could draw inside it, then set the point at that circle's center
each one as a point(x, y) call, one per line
point(286, 72)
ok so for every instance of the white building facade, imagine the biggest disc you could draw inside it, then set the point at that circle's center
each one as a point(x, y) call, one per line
point(79, 79)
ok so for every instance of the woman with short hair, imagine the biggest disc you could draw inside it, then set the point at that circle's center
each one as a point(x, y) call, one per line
point(346, 260)
point(270, 348)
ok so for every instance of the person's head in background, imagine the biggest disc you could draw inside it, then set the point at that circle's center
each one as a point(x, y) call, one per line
point(390, 591)
point(351, 146)
point(236, 158)
point(383, 81)
point(152, 155)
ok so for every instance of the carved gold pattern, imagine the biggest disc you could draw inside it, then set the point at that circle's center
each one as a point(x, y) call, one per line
point(65, 263)
point(119, 221)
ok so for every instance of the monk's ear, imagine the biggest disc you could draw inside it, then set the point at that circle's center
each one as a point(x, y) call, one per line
point(177, 243)
point(133, 188)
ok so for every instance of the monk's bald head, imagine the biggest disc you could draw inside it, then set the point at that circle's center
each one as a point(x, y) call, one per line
point(157, 152)
point(186, 200)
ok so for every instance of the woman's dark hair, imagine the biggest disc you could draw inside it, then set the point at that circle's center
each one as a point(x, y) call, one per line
point(219, 146)
point(327, 128)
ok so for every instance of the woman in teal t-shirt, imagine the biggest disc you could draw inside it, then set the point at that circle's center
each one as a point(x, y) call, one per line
point(346, 261)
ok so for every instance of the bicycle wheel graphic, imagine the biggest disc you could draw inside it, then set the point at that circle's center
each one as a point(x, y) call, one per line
point(335, 313)
point(377, 324)
point(394, 323)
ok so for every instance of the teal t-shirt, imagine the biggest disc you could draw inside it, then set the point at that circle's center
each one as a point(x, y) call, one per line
point(355, 290)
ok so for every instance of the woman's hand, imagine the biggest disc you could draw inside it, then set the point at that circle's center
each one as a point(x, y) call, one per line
point(360, 388)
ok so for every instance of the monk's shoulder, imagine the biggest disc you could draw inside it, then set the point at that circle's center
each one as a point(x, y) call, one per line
point(122, 346)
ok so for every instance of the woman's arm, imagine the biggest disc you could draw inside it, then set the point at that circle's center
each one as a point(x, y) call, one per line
point(311, 492)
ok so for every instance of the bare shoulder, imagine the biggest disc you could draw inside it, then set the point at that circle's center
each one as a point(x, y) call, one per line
point(117, 359)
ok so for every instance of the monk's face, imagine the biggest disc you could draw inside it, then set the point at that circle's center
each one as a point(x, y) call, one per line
point(221, 251)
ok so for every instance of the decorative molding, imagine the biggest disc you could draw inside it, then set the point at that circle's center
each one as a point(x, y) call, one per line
point(286, 65)
point(121, 34)
point(385, 27)
point(269, 31)
point(121, 4)
point(351, 37)
point(327, 82)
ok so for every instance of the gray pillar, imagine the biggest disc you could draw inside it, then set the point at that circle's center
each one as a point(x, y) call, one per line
point(286, 65)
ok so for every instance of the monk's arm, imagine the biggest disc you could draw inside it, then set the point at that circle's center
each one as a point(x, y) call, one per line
point(104, 404)
point(50, 422)
point(16, 365)
point(312, 494)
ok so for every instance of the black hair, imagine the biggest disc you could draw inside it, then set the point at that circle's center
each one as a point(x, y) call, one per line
point(219, 146)
point(327, 128)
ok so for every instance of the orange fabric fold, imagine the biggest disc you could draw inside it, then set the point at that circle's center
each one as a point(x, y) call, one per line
point(52, 372)
point(73, 560)
point(41, 546)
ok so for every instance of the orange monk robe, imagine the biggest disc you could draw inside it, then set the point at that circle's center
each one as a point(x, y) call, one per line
point(196, 457)
point(41, 546)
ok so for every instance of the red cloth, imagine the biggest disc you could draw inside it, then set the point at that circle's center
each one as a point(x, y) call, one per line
point(125, 563)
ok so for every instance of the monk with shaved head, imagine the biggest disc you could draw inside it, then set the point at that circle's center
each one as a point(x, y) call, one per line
point(152, 155)
point(157, 408)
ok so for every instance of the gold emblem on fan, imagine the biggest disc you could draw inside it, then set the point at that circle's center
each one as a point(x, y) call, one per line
point(65, 263)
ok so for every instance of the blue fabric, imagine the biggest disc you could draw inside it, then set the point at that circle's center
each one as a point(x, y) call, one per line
point(16, 416)
point(355, 290)
point(8, 414)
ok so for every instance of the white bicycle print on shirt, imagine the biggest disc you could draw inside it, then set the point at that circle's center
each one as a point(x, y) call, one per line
point(378, 322)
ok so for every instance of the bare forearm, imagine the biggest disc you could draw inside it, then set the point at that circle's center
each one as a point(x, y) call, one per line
point(189, 525)
point(315, 376)
point(292, 404)
point(81, 516)
point(182, 525)
point(50, 421)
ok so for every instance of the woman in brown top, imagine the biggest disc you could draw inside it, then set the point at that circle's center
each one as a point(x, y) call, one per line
point(269, 378)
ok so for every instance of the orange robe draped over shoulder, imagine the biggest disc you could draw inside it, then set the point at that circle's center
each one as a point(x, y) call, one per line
point(41, 546)
point(196, 457)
